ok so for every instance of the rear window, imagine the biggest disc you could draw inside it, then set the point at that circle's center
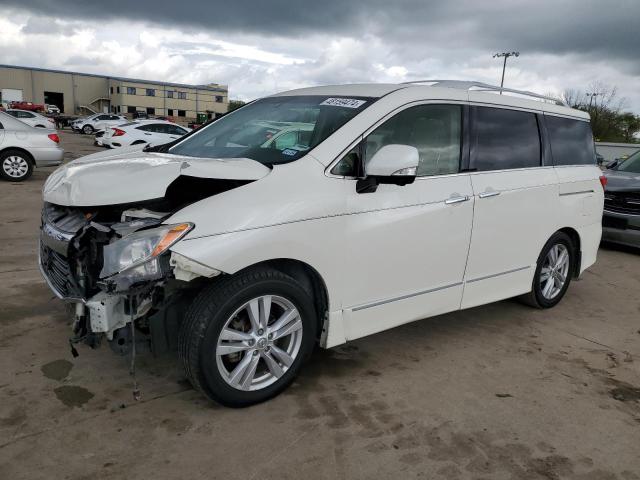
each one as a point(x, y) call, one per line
point(505, 139)
point(571, 141)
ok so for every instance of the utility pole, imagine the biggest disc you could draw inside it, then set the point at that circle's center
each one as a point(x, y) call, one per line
point(505, 55)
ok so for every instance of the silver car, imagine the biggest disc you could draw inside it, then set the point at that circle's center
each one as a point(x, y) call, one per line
point(23, 147)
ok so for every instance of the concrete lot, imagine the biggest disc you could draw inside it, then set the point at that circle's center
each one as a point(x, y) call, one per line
point(495, 392)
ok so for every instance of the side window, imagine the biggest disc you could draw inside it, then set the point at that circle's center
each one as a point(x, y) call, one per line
point(505, 139)
point(145, 128)
point(571, 141)
point(348, 165)
point(435, 130)
point(175, 130)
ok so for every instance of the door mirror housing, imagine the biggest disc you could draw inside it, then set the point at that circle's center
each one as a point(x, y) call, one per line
point(392, 164)
point(394, 161)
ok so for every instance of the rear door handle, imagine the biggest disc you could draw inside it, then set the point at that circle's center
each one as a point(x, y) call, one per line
point(452, 200)
point(489, 194)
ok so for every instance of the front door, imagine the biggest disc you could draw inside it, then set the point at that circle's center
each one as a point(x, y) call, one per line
point(515, 196)
point(407, 245)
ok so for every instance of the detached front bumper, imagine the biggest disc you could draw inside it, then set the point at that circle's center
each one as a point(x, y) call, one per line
point(621, 228)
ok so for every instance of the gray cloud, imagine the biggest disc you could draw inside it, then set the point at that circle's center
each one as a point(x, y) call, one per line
point(569, 43)
point(572, 26)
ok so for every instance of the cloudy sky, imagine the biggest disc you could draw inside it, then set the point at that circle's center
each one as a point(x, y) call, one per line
point(260, 47)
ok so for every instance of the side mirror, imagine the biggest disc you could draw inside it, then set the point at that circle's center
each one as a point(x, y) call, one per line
point(394, 161)
point(392, 164)
point(612, 164)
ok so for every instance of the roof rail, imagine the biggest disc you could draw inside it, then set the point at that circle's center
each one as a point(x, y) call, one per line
point(485, 87)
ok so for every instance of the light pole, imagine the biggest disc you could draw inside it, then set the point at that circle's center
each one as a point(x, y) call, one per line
point(504, 64)
point(591, 95)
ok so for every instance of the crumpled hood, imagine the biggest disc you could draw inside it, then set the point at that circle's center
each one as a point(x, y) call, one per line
point(132, 175)
point(620, 180)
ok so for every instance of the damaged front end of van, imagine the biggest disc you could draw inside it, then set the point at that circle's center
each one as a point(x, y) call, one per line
point(106, 237)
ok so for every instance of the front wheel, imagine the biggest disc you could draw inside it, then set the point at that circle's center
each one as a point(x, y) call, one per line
point(87, 129)
point(553, 272)
point(245, 337)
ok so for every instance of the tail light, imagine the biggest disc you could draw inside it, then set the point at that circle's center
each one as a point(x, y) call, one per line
point(54, 137)
point(117, 132)
point(603, 181)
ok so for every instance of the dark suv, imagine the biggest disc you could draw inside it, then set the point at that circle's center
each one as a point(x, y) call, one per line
point(621, 220)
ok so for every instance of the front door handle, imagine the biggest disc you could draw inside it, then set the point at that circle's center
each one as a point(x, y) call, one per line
point(489, 194)
point(452, 200)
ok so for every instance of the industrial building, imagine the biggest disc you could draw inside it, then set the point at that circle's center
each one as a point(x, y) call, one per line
point(79, 93)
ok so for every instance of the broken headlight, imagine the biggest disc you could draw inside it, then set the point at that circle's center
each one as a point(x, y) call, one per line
point(137, 253)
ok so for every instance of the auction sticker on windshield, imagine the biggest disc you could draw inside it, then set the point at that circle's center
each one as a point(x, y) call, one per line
point(344, 102)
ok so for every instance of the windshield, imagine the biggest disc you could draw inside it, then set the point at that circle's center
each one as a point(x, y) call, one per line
point(631, 164)
point(273, 130)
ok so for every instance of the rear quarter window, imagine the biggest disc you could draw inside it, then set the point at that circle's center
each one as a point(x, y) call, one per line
point(571, 141)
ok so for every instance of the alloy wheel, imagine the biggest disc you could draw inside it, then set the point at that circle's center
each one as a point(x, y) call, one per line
point(15, 166)
point(259, 342)
point(554, 272)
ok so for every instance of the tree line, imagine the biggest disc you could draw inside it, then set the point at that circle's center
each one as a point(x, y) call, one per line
point(609, 120)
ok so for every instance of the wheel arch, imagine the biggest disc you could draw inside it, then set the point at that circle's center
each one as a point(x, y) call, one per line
point(577, 244)
point(309, 279)
point(21, 150)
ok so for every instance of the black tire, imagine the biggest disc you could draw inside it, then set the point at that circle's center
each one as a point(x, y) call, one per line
point(207, 315)
point(87, 129)
point(18, 154)
point(535, 297)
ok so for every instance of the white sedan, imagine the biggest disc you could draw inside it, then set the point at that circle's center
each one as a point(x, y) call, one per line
point(32, 118)
point(23, 147)
point(152, 132)
point(97, 122)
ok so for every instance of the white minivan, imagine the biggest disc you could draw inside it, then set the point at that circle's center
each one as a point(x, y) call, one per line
point(373, 206)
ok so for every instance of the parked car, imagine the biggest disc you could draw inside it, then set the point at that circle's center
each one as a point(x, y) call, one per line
point(52, 109)
point(621, 220)
point(32, 107)
point(152, 132)
point(242, 254)
point(23, 147)
point(32, 118)
point(97, 122)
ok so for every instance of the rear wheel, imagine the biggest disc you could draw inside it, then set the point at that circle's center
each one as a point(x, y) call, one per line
point(17, 166)
point(245, 337)
point(553, 272)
